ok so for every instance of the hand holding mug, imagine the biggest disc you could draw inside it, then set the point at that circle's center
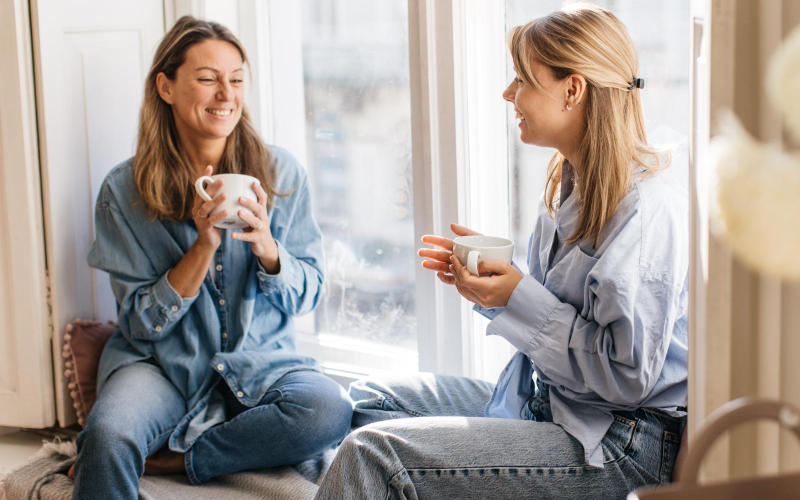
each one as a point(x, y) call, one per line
point(439, 260)
point(203, 214)
point(262, 244)
point(493, 286)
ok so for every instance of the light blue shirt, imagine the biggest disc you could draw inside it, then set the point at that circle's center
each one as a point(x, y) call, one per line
point(239, 325)
point(605, 327)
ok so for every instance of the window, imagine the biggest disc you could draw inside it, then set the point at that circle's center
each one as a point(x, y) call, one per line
point(395, 109)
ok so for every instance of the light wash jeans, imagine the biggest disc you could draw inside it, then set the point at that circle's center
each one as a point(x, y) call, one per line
point(302, 415)
point(451, 451)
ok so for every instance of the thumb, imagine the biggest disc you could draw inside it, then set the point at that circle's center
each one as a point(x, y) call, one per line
point(461, 230)
point(492, 266)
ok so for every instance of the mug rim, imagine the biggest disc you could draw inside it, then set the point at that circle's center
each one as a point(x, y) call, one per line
point(494, 241)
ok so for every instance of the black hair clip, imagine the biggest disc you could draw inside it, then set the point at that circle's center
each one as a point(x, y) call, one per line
point(636, 83)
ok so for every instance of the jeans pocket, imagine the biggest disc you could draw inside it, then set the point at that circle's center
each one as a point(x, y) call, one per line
point(669, 453)
point(617, 441)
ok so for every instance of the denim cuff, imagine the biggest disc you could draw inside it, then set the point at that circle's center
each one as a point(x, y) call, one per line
point(526, 315)
point(287, 275)
point(170, 305)
point(488, 312)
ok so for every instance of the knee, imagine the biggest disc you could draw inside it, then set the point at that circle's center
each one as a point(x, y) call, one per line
point(323, 408)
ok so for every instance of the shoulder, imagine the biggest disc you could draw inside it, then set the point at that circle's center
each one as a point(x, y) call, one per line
point(290, 174)
point(118, 184)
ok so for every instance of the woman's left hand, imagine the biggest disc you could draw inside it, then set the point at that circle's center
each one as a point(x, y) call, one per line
point(259, 235)
point(486, 291)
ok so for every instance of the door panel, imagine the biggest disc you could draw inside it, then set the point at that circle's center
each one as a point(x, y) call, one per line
point(26, 389)
point(92, 58)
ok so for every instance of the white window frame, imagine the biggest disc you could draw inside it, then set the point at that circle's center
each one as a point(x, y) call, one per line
point(457, 62)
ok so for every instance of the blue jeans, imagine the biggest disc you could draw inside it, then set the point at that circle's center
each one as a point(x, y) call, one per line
point(301, 416)
point(465, 455)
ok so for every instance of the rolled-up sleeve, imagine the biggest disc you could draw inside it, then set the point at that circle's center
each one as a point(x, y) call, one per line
point(149, 308)
point(616, 344)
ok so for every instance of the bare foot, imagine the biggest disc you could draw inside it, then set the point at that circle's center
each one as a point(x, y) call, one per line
point(164, 461)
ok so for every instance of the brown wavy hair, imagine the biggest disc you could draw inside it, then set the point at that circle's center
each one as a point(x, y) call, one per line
point(591, 41)
point(163, 174)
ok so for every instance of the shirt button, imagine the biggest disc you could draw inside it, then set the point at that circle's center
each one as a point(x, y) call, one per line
point(158, 328)
point(239, 394)
point(224, 335)
point(220, 367)
point(174, 308)
point(219, 267)
point(222, 302)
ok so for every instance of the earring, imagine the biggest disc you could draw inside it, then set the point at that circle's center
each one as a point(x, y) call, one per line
point(569, 108)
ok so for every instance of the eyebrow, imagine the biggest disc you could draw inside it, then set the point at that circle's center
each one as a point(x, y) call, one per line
point(215, 70)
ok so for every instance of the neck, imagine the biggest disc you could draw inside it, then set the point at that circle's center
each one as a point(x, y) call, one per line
point(203, 152)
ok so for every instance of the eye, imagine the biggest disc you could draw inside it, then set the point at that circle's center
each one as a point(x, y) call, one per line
point(237, 81)
point(518, 80)
point(205, 80)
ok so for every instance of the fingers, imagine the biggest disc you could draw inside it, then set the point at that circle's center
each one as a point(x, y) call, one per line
point(446, 278)
point(438, 241)
point(430, 253)
point(443, 267)
point(461, 230)
point(260, 194)
point(492, 266)
point(254, 222)
point(256, 207)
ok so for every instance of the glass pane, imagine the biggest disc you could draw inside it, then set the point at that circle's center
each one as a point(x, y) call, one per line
point(358, 135)
point(663, 63)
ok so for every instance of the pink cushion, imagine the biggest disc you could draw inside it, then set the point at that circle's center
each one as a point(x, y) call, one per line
point(83, 344)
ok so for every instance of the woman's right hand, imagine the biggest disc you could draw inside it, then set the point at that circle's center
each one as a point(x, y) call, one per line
point(208, 236)
point(439, 260)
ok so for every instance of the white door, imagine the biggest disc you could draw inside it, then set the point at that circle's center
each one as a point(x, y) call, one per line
point(92, 58)
point(26, 388)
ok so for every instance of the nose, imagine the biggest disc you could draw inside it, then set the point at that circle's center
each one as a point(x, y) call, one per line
point(225, 91)
point(510, 91)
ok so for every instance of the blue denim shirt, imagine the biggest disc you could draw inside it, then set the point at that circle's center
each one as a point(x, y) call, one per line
point(238, 326)
point(605, 328)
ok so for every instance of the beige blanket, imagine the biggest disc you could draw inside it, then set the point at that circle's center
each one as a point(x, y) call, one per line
point(44, 477)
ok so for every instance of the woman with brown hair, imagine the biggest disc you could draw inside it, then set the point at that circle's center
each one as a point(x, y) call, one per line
point(203, 365)
point(593, 403)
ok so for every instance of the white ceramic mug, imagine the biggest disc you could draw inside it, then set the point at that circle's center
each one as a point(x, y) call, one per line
point(234, 186)
point(471, 250)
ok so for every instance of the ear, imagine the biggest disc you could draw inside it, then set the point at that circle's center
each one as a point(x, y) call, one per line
point(164, 87)
point(575, 89)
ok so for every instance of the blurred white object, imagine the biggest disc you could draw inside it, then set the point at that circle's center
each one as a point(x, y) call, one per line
point(783, 79)
point(757, 207)
point(758, 201)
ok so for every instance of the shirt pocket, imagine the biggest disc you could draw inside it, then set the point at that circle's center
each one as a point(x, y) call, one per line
point(567, 278)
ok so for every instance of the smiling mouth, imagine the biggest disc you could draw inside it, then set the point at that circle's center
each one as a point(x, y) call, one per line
point(520, 117)
point(220, 112)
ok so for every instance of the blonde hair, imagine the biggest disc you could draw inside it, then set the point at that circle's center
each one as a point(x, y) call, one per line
point(590, 41)
point(163, 174)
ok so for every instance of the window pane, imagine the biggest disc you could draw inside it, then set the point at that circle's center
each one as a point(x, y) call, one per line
point(355, 65)
point(663, 63)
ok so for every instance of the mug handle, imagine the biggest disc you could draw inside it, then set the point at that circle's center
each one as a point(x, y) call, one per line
point(472, 261)
point(199, 186)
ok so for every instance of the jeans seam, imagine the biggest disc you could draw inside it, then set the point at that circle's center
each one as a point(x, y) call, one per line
point(149, 443)
point(627, 448)
point(393, 401)
point(188, 464)
point(583, 468)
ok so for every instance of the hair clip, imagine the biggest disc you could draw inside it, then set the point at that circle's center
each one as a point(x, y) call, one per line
point(636, 83)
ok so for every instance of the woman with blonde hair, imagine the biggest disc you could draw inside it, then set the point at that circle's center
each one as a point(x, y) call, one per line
point(593, 403)
point(202, 374)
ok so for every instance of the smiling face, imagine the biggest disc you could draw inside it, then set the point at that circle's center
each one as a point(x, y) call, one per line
point(207, 92)
point(540, 111)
